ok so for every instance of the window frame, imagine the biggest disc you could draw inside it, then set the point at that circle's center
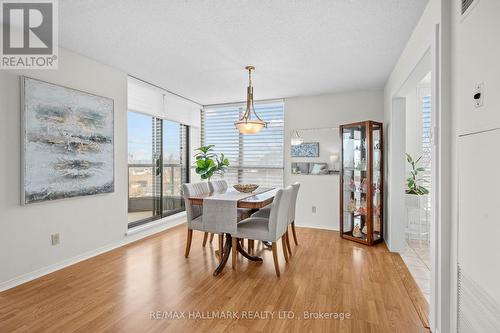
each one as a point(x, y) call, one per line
point(158, 211)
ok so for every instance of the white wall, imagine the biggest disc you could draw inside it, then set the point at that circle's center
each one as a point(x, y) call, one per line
point(475, 59)
point(87, 225)
point(322, 111)
point(432, 34)
point(415, 50)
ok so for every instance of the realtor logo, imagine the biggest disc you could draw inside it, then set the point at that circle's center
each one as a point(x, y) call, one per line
point(29, 34)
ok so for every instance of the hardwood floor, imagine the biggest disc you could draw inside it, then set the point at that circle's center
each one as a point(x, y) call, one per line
point(118, 291)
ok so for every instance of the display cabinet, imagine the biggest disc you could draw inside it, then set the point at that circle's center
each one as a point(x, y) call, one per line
point(361, 182)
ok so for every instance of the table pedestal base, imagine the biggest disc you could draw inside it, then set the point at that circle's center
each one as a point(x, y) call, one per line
point(227, 251)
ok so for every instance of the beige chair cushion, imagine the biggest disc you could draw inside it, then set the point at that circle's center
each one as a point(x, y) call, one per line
point(254, 228)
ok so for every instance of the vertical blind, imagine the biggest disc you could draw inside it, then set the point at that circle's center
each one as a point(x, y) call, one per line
point(254, 158)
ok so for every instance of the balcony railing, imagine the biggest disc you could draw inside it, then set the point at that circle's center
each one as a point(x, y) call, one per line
point(148, 198)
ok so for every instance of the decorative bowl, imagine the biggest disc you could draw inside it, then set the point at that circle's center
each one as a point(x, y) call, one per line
point(245, 188)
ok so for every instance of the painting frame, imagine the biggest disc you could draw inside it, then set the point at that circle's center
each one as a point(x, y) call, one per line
point(110, 188)
point(306, 149)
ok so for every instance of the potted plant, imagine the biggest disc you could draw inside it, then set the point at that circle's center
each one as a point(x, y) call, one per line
point(416, 198)
point(413, 182)
point(209, 163)
point(415, 192)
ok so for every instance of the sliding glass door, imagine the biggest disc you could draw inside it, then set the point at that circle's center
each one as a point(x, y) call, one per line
point(158, 166)
point(175, 171)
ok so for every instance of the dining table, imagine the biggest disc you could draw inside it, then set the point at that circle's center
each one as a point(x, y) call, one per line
point(252, 202)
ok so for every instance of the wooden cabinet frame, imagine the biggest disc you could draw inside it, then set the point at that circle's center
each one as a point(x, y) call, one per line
point(368, 218)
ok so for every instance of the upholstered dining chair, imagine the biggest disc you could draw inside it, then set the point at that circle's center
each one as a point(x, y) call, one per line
point(267, 229)
point(218, 185)
point(194, 212)
point(265, 212)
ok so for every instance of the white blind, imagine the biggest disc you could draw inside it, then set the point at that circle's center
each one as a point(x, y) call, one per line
point(255, 158)
point(144, 98)
point(148, 99)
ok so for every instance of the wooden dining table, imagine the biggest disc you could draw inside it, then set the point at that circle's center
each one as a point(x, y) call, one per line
point(254, 203)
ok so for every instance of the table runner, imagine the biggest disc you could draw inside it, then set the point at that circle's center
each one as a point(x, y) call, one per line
point(220, 210)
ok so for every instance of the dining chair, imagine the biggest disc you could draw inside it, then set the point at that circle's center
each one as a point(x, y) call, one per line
point(265, 212)
point(267, 229)
point(194, 212)
point(218, 185)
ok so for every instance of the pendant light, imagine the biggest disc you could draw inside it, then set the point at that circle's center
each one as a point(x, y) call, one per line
point(296, 138)
point(247, 124)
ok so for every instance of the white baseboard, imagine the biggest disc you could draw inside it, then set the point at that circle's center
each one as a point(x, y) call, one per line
point(318, 226)
point(131, 236)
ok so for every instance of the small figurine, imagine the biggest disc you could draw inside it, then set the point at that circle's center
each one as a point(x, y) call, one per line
point(365, 229)
point(356, 232)
point(351, 206)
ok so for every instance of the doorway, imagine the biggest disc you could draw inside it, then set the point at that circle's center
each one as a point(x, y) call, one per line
point(414, 117)
point(418, 178)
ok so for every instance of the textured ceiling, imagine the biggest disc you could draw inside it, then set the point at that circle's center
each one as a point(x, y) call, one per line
point(199, 49)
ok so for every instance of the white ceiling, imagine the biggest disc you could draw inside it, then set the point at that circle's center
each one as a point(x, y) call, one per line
point(199, 48)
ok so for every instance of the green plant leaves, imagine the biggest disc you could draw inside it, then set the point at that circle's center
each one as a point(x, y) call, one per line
point(208, 163)
point(412, 182)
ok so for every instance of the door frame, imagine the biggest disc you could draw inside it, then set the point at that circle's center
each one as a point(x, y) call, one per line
point(439, 305)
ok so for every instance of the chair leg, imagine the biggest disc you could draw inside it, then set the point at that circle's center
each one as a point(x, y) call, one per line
point(234, 246)
point(275, 257)
point(211, 238)
point(294, 233)
point(250, 246)
point(205, 237)
point(221, 245)
point(188, 242)
point(287, 238)
point(283, 245)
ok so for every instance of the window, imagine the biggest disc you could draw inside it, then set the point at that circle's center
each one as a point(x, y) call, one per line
point(426, 138)
point(255, 158)
point(157, 165)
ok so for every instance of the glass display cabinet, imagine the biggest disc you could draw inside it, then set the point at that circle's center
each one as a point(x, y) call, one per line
point(361, 182)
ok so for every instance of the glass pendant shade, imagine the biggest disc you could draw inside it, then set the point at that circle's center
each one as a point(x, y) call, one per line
point(248, 124)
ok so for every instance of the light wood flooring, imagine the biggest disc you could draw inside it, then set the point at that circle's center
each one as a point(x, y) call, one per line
point(118, 291)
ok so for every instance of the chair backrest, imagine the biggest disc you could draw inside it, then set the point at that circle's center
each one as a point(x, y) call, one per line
point(193, 211)
point(293, 203)
point(218, 185)
point(278, 217)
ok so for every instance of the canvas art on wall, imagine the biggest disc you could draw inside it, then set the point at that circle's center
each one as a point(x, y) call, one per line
point(305, 150)
point(68, 142)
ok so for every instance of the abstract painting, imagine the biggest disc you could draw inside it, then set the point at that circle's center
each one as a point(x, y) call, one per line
point(68, 142)
point(305, 150)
